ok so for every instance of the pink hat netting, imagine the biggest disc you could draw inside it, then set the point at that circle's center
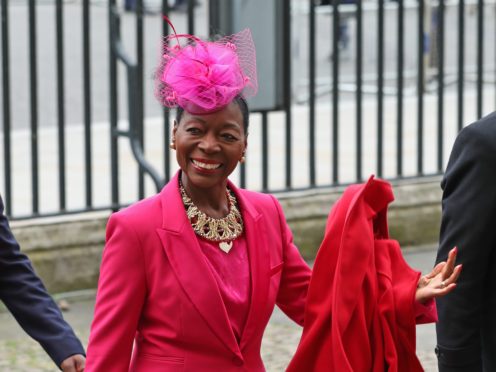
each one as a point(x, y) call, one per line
point(205, 76)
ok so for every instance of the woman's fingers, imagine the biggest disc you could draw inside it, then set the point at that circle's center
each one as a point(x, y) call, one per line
point(454, 276)
point(450, 264)
point(436, 270)
point(441, 280)
point(447, 285)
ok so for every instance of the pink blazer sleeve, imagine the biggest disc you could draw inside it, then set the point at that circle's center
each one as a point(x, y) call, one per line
point(120, 296)
point(425, 313)
point(296, 274)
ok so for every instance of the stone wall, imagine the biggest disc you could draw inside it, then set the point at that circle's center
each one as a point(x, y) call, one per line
point(66, 251)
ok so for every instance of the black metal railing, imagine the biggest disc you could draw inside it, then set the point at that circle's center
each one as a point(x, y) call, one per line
point(135, 131)
point(368, 87)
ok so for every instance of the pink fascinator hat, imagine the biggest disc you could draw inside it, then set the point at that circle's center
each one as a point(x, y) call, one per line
point(205, 76)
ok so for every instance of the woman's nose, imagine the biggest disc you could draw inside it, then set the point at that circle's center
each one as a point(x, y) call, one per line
point(209, 144)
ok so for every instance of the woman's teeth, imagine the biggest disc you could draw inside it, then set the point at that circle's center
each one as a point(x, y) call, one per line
point(206, 166)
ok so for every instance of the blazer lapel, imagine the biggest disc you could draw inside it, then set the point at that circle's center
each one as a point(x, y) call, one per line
point(186, 259)
point(256, 241)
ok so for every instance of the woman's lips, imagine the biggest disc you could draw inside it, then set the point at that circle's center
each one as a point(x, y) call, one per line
point(207, 166)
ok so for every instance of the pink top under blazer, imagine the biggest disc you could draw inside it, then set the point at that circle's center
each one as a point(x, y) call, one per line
point(157, 292)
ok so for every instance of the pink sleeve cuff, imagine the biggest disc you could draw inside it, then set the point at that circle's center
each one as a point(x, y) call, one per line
point(426, 312)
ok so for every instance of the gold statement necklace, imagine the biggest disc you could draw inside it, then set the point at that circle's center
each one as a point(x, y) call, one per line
point(223, 230)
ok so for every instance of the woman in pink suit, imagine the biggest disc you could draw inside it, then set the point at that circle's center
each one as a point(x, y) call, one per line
point(190, 276)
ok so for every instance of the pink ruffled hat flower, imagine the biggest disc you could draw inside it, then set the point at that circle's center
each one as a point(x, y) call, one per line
point(205, 76)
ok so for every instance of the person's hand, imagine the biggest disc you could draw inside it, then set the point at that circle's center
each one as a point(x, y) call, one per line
point(440, 281)
point(75, 363)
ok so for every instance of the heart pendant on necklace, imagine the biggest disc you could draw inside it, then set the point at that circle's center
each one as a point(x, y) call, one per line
point(226, 246)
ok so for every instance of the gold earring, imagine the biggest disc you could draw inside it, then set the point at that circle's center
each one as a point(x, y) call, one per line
point(243, 158)
point(172, 145)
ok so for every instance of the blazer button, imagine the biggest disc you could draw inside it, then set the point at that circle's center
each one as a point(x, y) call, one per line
point(237, 361)
point(438, 352)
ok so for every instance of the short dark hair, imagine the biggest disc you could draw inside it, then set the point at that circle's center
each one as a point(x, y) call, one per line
point(243, 106)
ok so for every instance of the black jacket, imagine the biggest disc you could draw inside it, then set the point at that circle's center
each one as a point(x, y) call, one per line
point(27, 299)
point(466, 331)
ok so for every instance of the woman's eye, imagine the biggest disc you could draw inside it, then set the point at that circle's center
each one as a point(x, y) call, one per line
point(193, 130)
point(229, 137)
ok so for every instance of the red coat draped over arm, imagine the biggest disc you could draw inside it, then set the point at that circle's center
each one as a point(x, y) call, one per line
point(360, 313)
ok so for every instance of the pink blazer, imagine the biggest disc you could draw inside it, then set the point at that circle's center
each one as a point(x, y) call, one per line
point(157, 293)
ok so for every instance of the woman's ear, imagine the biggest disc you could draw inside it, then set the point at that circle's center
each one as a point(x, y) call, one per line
point(243, 154)
point(172, 144)
point(174, 129)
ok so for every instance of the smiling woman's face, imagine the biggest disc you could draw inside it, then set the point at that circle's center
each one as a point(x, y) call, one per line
point(208, 147)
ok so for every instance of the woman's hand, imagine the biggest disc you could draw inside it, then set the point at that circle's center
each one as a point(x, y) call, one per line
point(440, 281)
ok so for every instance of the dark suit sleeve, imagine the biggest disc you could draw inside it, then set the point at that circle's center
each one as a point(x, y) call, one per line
point(27, 299)
point(468, 220)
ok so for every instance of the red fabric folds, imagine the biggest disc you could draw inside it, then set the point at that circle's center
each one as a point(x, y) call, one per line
point(359, 314)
